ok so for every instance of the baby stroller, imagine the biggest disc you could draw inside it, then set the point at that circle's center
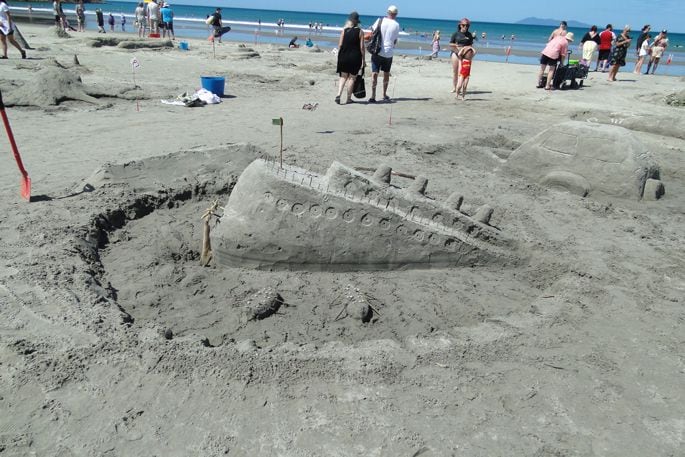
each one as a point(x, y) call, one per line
point(570, 75)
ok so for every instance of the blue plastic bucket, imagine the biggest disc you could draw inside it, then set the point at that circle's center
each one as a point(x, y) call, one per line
point(214, 84)
point(183, 45)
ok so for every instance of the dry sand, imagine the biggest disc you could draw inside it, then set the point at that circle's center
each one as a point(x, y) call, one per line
point(114, 341)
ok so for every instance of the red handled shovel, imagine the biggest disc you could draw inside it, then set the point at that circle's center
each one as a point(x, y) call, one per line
point(25, 180)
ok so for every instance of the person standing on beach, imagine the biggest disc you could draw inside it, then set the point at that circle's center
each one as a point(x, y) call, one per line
point(110, 21)
point(217, 25)
point(123, 22)
point(435, 44)
point(390, 31)
point(658, 48)
point(141, 19)
point(59, 14)
point(641, 49)
point(460, 39)
point(81, 17)
point(618, 57)
point(168, 20)
point(350, 55)
point(589, 44)
point(559, 31)
point(100, 18)
point(605, 40)
point(553, 54)
point(7, 31)
point(153, 16)
point(467, 54)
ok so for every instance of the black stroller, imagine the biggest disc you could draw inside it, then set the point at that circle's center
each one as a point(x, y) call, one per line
point(570, 75)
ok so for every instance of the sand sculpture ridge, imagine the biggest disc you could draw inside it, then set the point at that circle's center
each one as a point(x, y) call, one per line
point(291, 218)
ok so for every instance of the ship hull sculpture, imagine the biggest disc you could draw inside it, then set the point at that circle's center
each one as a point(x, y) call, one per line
point(292, 219)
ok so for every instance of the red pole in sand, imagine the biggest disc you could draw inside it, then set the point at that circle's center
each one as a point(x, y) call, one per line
point(25, 188)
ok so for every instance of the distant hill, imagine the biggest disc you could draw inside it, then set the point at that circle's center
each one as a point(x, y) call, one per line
point(550, 22)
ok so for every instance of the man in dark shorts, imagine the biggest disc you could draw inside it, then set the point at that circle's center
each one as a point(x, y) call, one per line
point(605, 40)
point(390, 31)
point(219, 29)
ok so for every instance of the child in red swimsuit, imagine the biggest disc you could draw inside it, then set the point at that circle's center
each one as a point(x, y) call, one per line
point(466, 54)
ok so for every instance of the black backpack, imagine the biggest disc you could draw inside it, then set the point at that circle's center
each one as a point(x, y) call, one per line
point(376, 43)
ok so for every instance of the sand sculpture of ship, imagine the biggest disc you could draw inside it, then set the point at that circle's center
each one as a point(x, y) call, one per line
point(293, 219)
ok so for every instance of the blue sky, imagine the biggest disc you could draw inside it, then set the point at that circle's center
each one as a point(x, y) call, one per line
point(668, 14)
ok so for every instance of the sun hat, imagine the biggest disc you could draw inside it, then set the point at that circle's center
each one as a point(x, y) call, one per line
point(664, 31)
point(354, 17)
point(569, 36)
point(392, 9)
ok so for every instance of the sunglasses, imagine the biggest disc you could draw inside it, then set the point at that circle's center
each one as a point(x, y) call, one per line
point(463, 25)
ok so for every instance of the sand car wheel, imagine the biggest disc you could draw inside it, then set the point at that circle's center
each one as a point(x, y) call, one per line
point(574, 84)
point(580, 84)
point(563, 85)
point(565, 181)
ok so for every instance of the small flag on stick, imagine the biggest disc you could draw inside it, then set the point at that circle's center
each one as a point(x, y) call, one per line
point(135, 65)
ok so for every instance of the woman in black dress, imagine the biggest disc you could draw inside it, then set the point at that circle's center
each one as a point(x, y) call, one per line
point(350, 55)
point(618, 57)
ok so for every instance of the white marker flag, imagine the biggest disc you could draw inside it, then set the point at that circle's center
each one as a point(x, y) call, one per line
point(134, 63)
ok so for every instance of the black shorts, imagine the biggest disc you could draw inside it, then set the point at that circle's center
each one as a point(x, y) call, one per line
point(604, 54)
point(168, 25)
point(544, 60)
point(379, 63)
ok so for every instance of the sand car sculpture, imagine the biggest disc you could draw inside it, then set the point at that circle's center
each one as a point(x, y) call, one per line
point(589, 159)
point(290, 218)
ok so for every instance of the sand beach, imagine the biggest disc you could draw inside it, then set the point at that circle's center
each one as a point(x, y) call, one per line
point(115, 341)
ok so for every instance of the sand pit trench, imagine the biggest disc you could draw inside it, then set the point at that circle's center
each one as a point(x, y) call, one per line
point(144, 252)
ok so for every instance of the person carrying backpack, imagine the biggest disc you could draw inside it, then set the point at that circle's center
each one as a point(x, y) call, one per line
point(381, 58)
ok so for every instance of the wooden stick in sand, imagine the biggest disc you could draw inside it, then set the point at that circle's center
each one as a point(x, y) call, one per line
point(394, 85)
point(279, 121)
point(206, 251)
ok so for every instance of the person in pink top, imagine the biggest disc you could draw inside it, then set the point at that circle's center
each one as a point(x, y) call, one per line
point(554, 52)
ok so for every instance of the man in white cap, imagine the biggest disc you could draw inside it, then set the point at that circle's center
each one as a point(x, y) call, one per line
point(390, 31)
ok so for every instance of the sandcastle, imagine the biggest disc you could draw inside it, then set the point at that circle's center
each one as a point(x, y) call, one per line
point(291, 218)
point(589, 159)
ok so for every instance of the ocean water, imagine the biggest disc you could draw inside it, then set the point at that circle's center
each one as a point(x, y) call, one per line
point(528, 40)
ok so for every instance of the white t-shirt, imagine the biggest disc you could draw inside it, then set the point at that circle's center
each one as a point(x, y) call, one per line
point(153, 11)
point(644, 48)
point(4, 19)
point(390, 30)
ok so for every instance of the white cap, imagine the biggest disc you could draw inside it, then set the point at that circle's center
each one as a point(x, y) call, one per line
point(392, 9)
point(569, 36)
